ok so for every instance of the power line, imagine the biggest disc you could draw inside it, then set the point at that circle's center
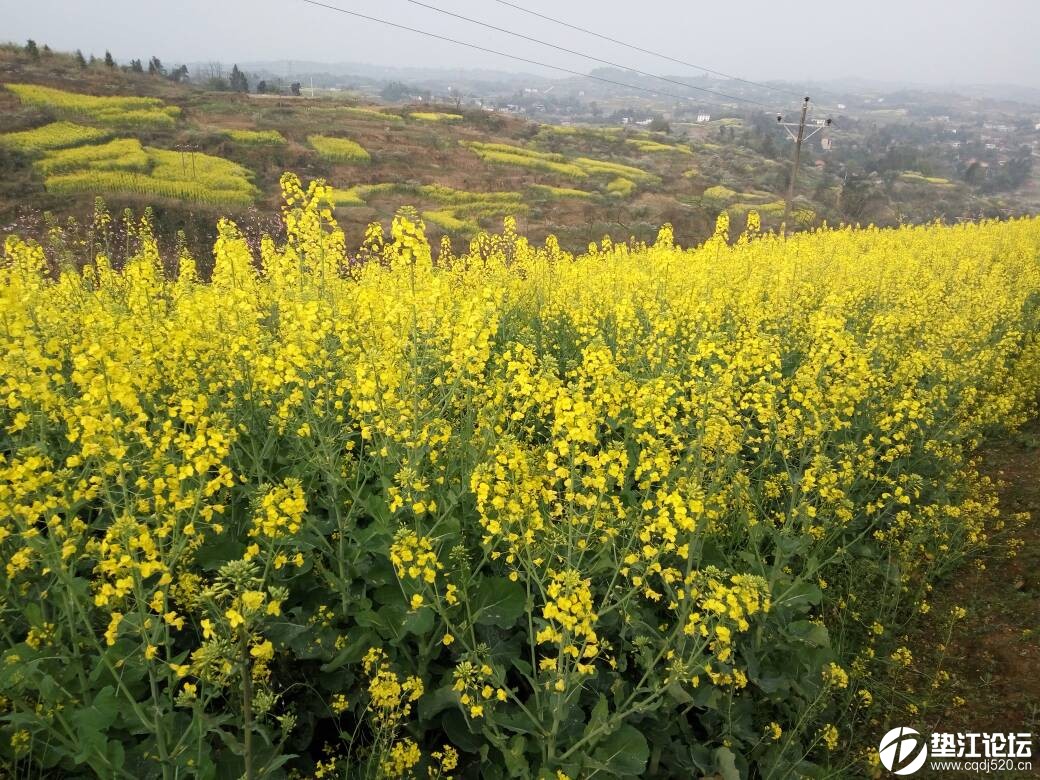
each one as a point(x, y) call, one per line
point(496, 52)
point(582, 54)
point(642, 50)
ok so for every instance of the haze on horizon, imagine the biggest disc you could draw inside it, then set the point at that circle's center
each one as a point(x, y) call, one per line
point(934, 42)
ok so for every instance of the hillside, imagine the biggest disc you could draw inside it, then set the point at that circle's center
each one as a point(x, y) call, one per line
point(190, 153)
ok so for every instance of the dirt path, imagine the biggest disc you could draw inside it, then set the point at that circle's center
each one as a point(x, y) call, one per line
point(994, 656)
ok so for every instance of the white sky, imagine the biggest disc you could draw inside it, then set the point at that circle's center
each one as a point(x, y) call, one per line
point(921, 41)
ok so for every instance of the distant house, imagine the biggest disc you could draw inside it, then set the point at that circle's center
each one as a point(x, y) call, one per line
point(826, 144)
point(841, 106)
point(1037, 126)
point(703, 117)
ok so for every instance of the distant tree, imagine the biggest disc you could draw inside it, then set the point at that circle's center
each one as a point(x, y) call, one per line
point(395, 90)
point(261, 87)
point(109, 61)
point(136, 66)
point(80, 60)
point(179, 74)
point(768, 146)
point(660, 125)
point(93, 60)
point(31, 49)
point(975, 175)
point(238, 81)
point(155, 67)
point(295, 88)
point(46, 50)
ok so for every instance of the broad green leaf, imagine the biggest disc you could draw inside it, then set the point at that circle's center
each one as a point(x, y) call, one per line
point(498, 601)
point(624, 754)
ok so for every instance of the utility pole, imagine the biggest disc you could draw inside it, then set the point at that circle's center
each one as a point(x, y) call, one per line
point(798, 138)
point(187, 149)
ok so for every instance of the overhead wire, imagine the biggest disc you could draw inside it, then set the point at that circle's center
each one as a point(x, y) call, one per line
point(516, 57)
point(584, 55)
point(643, 50)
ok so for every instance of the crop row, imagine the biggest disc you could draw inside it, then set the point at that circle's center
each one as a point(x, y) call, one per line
point(121, 112)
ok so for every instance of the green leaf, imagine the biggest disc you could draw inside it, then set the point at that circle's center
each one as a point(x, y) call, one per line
point(598, 718)
point(437, 701)
point(498, 601)
point(677, 692)
point(802, 594)
point(811, 633)
point(727, 764)
point(419, 622)
point(624, 755)
point(515, 761)
point(92, 722)
point(458, 731)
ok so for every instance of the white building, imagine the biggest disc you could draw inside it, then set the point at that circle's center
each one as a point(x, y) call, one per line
point(703, 117)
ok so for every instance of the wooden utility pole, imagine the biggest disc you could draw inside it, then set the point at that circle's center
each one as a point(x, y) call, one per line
point(798, 138)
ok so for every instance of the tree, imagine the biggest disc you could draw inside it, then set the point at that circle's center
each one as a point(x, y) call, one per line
point(295, 88)
point(238, 81)
point(179, 74)
point(155, 67)
point(261, 87)
point(108, 60)
point(31, 49)
point(136, 66)
point(395, 90)
point(80, 60)
point(660, 125)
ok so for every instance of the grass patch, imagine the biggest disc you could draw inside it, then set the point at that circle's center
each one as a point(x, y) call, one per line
point(602, 167)
point(122, 154)
point(340, 150)
point(435, 116)
point(131, 183)
point(913, 177)
point(256, 137)
point(447, 220)
point(621, 187)
point(719, 195)
point(534, 163)
point(557, 193)
point(656, 146)
point(356, 112)
point(56, 135)
point(124, 112)
point(124, 167)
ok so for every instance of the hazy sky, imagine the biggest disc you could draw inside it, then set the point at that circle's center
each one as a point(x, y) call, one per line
point(926, 41)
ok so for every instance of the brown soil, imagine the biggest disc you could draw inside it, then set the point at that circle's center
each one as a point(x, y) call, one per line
point(994, 655)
